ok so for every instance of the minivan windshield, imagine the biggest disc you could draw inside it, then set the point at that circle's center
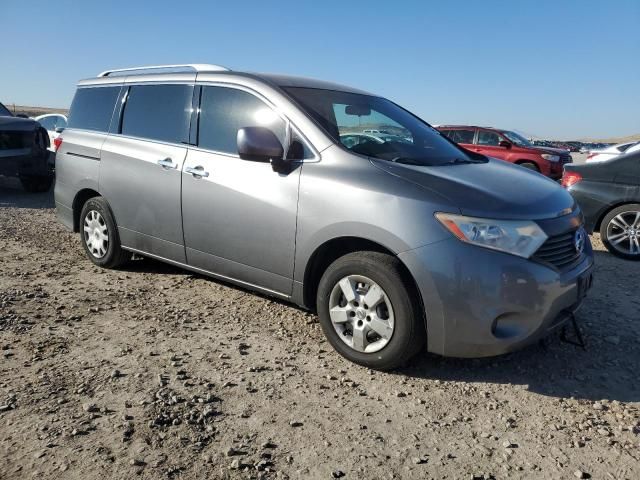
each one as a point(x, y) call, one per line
point(517, 139)
point(378, 128)
point(4, 111)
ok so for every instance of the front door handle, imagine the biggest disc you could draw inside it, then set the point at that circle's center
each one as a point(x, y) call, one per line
point(167, 163)
point(197, 171)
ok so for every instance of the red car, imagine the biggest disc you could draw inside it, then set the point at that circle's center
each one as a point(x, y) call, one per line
point(510, 147)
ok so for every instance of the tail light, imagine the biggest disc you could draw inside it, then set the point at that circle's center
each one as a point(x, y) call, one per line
point(570, 178)
point(57, 142)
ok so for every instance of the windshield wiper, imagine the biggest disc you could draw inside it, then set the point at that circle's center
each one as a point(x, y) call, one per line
point(406, 161)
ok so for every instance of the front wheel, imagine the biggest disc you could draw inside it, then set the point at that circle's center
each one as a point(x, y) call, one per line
point(369, 312)
point(620, 231)
point(99, 234)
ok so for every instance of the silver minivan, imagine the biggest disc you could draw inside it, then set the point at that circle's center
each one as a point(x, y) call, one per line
point(335, 199)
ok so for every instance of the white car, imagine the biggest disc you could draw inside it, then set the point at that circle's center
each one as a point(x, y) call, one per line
point(612, 152)
point(51, 122)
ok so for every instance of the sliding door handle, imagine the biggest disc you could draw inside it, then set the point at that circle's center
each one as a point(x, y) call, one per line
point(197, 171)
point(167, 163)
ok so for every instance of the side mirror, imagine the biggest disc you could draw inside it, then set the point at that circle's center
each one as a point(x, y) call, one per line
point(504, 144)
point(259, 144)
point(21, 115)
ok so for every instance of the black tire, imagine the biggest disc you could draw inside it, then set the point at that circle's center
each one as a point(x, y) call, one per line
point(36, 184)
point(114, 256)
point(609, 230)
point(409, 333)
point(530, 166)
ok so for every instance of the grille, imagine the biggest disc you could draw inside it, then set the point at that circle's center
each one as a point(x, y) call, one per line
point(560, 251)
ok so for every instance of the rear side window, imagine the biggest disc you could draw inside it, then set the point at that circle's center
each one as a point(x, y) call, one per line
point(49, 123)
point(158, 112)
point(624, 148)
point(92, 108)
point(461, 136)
point(223, 111)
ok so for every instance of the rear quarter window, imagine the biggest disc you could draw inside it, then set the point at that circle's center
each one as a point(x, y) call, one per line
point(48, 123)
point(92, 108)
point(624, 148)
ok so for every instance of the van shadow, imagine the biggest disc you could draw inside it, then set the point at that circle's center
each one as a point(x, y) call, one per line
point(12, 195)
point(556, 370)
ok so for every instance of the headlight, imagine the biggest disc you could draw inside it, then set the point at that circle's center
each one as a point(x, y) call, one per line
point(517, 237)
point(551, 158)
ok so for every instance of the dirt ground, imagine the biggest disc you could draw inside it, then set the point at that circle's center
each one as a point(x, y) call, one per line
point(156, 373)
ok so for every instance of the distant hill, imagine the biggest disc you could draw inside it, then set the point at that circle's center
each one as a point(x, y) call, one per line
point(629, 138)
point(34, 111)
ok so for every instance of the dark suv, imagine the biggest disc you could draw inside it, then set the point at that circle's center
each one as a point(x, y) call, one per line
point(509, 146)
point(24, 152)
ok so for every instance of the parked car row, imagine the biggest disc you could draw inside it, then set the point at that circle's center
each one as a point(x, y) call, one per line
point(571, 146)
point(612, 152)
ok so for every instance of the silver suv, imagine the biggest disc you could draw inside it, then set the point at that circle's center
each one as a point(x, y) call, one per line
point(397, 240)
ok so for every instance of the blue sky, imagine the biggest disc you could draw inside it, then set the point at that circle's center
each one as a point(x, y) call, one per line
point(560, 69)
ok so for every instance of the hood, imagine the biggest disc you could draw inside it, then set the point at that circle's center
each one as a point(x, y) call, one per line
point(18, 124)
point(495, 189)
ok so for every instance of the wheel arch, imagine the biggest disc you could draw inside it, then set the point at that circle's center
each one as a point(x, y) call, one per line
point(331, 250)
point(520, 161)
point(603, 213)
point(78, 202)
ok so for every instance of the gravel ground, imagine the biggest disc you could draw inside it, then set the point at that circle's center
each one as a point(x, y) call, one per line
point(153, 372)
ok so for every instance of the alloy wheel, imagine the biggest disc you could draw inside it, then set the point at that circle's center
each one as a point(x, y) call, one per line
point(623, 233)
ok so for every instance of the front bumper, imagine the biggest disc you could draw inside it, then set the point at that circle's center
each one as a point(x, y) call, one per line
point(480, 302)
point(26, 162)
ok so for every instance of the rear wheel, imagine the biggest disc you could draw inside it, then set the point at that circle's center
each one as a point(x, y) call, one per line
point(620, 231)
point(368, 310)
point(37, 184)
point(99, 234)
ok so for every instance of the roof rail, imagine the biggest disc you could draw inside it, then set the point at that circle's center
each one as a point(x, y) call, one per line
point(197, 67)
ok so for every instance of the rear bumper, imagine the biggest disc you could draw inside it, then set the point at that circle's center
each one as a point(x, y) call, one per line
point(481, 303)
point(26, 163)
